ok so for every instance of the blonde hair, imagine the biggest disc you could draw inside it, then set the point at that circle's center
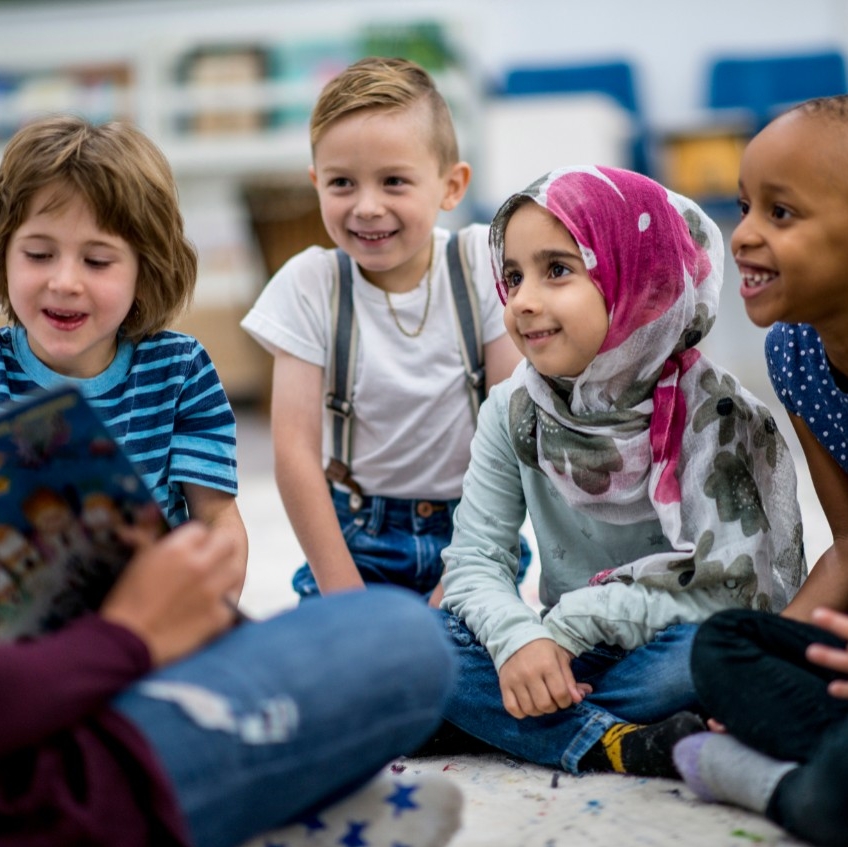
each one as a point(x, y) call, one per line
point(128, 184)
point(391, 84)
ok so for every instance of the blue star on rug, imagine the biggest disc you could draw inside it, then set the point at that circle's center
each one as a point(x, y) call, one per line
point(402, 799)
point(353, 837)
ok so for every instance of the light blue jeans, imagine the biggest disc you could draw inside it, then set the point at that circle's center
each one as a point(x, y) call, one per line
point(284, 716)
point(645, 685)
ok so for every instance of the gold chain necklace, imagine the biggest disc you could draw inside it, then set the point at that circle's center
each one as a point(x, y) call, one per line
point(393, 313)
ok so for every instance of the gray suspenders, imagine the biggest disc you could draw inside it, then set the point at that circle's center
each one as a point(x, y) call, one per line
point(346, 338)
point(469, 329)
point(346, 335)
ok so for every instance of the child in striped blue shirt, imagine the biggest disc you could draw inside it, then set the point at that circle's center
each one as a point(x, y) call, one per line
point(94, 264)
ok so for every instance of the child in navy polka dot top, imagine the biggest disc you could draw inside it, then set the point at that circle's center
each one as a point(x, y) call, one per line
point(778, 685)
point(791, 247)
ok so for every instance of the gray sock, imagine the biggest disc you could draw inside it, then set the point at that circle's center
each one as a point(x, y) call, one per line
point(720, 769)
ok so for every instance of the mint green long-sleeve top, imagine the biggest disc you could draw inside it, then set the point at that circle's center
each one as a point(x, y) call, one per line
point(482, 560)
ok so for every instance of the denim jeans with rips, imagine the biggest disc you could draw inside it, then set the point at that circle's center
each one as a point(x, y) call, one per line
point(284, 716)
point(645, 685)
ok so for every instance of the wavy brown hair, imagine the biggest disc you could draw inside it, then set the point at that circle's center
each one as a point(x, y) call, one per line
point(129, 186)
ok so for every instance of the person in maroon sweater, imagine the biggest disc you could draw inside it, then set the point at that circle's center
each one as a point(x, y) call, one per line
point(156, 721)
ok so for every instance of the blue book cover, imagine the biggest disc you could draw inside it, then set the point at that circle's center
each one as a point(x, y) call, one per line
point(66, 487)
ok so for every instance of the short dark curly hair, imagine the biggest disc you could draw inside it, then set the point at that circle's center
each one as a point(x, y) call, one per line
point(834, 107)
point(127, 181)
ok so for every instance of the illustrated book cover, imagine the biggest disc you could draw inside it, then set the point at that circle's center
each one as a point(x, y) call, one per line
point(66, 486)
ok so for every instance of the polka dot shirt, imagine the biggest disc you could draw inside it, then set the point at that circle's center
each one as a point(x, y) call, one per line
point(803, 381)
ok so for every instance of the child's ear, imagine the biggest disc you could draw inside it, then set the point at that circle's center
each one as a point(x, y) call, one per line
point(456, 184)
point(313, 177)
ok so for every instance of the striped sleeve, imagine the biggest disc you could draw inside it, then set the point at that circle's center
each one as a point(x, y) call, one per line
point(172, 417)
point(203, 448)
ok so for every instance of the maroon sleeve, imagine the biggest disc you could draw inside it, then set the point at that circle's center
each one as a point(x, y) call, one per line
point(52, 682)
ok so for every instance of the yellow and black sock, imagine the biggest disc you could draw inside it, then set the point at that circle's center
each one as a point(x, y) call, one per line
point(642, 750)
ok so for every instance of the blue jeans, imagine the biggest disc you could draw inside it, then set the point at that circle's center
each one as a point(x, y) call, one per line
point(284, 716)
point(645, 685)
point(396, 541)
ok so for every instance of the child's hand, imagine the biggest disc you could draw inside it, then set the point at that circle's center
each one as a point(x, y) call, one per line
point(537, 680)
point(831, 657)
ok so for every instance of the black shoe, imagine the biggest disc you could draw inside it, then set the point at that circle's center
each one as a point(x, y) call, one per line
point(450, 740)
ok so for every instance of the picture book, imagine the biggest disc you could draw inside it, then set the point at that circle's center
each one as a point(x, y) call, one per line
point(66, 487)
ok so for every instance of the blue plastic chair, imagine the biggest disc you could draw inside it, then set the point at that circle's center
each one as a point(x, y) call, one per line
point(614, 78)
point(765, 85)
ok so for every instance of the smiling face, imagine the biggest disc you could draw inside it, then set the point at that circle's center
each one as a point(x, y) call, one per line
point(791, 246)
point(380, 190)
point(71, 284)
point(555, 313)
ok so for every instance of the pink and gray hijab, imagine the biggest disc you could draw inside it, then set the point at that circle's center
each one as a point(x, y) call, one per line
point(651, 428)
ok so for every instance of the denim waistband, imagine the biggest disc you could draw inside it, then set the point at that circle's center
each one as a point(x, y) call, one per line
point(397, 508)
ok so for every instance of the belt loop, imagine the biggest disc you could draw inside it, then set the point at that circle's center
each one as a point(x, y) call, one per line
point(378, 514)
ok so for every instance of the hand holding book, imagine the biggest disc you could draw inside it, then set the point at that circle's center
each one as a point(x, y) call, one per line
point(78, 528)
point(173, 592)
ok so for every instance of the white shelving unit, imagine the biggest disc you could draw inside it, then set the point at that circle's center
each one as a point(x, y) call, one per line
point(50, 78)
point(136, 70)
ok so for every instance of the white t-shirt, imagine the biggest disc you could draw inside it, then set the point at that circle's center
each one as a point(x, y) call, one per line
point(413, 421)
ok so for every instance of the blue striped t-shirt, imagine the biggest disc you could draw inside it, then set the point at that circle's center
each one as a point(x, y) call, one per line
point(161, 399)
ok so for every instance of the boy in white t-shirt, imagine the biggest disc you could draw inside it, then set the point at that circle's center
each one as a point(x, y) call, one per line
point(385, 163)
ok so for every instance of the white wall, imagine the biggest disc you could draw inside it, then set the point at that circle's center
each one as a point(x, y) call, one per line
point(669, 41)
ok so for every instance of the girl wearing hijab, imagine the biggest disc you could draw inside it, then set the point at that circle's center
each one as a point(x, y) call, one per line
point(659, 489)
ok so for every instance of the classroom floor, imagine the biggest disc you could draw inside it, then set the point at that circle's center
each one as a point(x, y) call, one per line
point(510, 803)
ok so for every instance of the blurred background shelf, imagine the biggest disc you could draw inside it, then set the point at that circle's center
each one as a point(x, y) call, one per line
point(226, 90)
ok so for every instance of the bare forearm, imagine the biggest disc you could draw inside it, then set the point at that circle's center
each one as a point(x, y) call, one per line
point(827, 585)
point(230, 521)
point(219, 510)
point(308, 504)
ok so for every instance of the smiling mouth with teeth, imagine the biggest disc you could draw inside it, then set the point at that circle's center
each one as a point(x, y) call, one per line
point(540, 333)
point(756, 280)
point(64, 317)
point(373, 236)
